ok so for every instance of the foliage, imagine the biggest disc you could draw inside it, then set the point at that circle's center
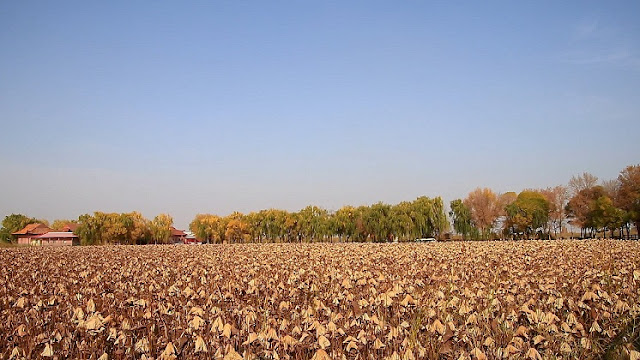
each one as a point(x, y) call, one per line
point(485, 209)
point(604, 215)
point(114, 228)
point(629, 193)
point(528, 214)
point(12, 223)
point(59, 224)
point(161, 228)
point(614, 205)
point(462, 223)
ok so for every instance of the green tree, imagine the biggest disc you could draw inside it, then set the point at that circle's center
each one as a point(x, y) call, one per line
point(362, 233)
point(462, 222)
point(401, 221)
point(603, 215)
point(312, 222)
point(529, 213)
point(89, 229)
point(377, 221)
point(12, 223)
point(439, 220)
point(345, 223)
point(255, 226)
point(421, 215)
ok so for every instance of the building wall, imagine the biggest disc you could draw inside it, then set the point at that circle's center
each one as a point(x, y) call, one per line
point(57, 242)
point(24, 240)
point(28, 240)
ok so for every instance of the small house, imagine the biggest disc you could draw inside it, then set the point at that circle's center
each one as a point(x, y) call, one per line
point(30, 232)
point(57, 238)
point(177, 236)
point(190, 238)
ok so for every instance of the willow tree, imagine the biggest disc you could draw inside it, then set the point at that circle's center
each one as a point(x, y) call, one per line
point(312, 222)
point(161, 228)
point(345, 222)
point(462, 222)
point(401, 221)
point(377, 221)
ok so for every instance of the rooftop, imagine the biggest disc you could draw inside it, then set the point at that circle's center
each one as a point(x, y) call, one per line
point(33, 229)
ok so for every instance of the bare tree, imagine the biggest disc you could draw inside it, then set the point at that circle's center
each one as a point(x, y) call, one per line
point(557, 197)
point(582, 182)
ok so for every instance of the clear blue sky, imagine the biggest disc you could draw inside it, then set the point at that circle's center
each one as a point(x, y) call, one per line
point(214, 106)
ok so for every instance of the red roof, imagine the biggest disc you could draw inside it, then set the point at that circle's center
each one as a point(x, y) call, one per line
point(57, 234)
point(33, 229)
point(70, 227)
point(176, 232)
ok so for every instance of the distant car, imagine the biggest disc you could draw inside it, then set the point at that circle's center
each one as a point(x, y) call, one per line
point(426, 239)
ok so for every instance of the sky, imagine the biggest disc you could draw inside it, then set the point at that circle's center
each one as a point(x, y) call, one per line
point(187, 107)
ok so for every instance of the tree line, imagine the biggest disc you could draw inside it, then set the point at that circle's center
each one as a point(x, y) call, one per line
point(609, 208)
point(101, 228)
point(380, 222)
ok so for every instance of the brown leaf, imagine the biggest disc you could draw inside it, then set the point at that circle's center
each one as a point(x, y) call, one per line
point(533, 354)
point(200, 345)
point(323, 342)
point(232, 355)
point(320, 355)
point(478, 354)
point(48, 351)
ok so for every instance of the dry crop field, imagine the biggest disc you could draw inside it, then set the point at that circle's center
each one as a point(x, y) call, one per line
point(529, 300)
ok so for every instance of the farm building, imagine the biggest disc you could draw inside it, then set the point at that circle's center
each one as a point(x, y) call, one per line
point(30, 232)
point(57, 238)
point(190, 238)
point(177, 236)
point(70, 227)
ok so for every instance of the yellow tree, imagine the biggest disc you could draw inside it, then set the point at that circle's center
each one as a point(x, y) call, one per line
point(207, 227)
point(161, 228)
point(485, 209)
point(137, 229)
point(236, 230)
point(113, 229)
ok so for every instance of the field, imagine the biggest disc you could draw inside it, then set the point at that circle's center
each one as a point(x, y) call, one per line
point(529, 300)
